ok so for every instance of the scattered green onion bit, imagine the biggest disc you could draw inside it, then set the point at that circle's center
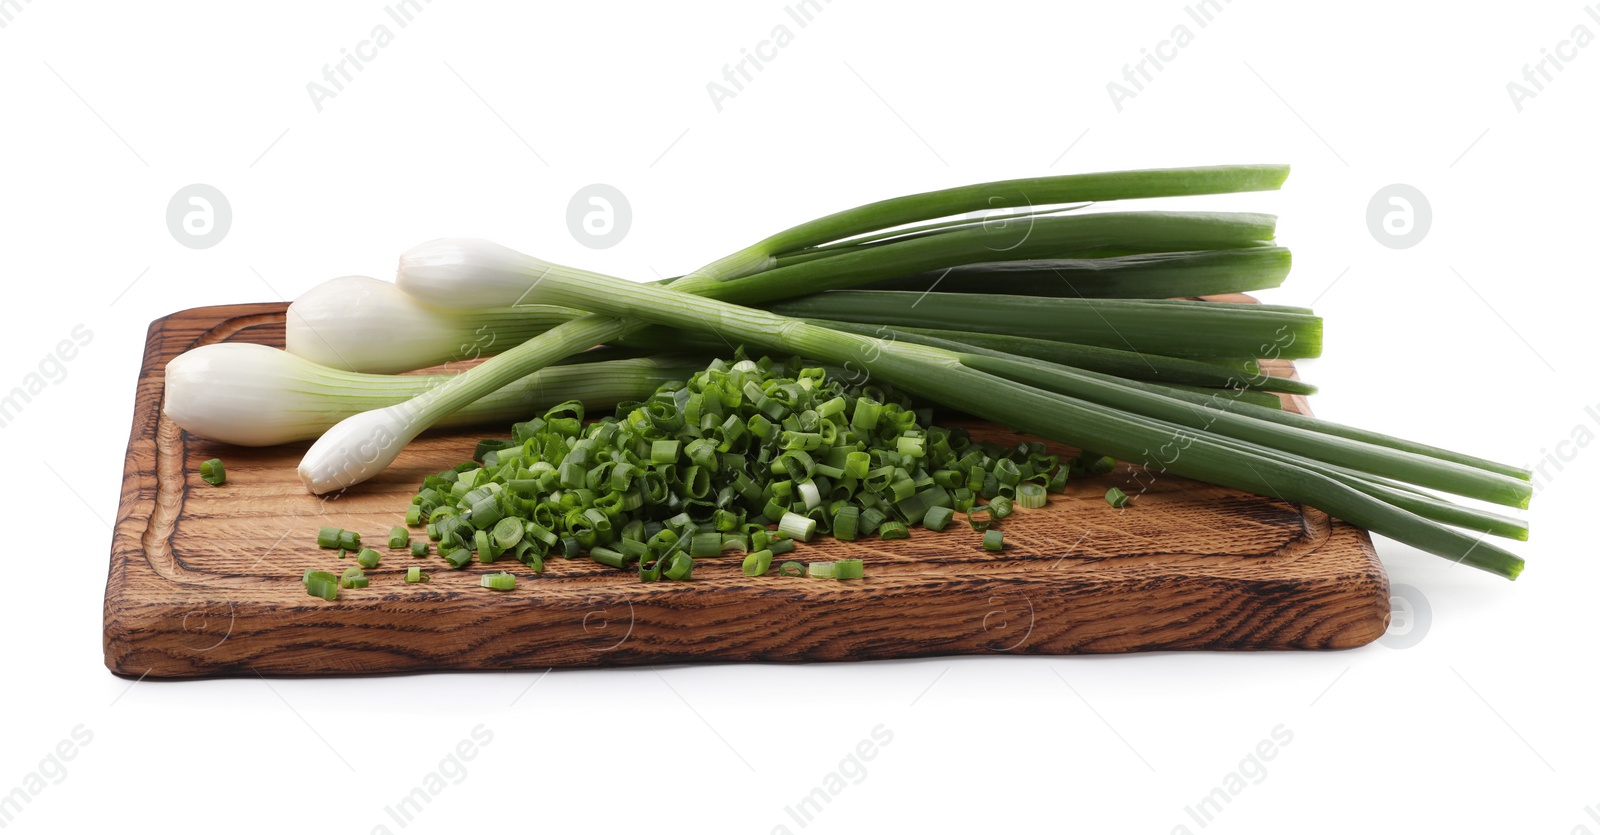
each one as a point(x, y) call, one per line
point(321, 584)
point(852, 569)
point(211, 472)
point(324, 585)
point(399, 537)
point(353, 578)
point(419, 548)
point(415, 574)
point(349, 540)
point(1116, 498)
point(820, 570)
point(937, 517)
point(369, 558)
point(791, 569)
point(893, 530)
point(757, 564)
point(993, 540)
point(680, 569)
point(499, 581)
point(980, 518)
point(328, 537)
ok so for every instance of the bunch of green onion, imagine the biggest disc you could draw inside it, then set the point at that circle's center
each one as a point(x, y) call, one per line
point(1076, 326)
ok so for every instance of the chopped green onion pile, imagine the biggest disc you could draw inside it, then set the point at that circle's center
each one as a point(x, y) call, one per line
point(708, 465)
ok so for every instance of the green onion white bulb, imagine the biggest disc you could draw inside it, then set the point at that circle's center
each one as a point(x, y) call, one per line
point(253, 395)
point(469, 274)
point(359, 323)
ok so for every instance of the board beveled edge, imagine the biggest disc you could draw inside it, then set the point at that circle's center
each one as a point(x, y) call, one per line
point(139, 641)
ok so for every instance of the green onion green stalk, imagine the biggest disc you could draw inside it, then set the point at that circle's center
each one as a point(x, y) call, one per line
point(971, 384)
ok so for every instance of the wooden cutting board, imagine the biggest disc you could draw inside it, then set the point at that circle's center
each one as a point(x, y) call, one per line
point(205, 581)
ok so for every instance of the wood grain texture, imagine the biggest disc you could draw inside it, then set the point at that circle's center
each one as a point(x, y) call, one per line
point(205, 581)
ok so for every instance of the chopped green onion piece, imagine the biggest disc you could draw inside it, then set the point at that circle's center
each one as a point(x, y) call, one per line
point(844, 523)
point(328, 537)
point(211, 472)
point(415, 574)
point(326, 588)
point(414, 515)
point(663, 452)
point(369, 558)
point(822, 570)
point(993, 540)
point(781, 546)
point(457, 558)
point(1102, 465)
point(979, 518)
point(937, 517)
point(871, 518)
point(507, 533)
point(893, 530)
point(419, 548)
point(313, 574)
point(707, 544)
point(349, 540)
point(795, 526)
point(851, 569)
point(757, 564)
point(999, 507)
point(1116, 498)
point(499, 581)
point(680, 569)
point(353, 578)
point(1031, 495)
point(608, 556)
point(791, 569)
point(399, 537)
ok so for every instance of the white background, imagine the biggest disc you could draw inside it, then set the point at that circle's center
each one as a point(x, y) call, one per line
point(485, 119)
